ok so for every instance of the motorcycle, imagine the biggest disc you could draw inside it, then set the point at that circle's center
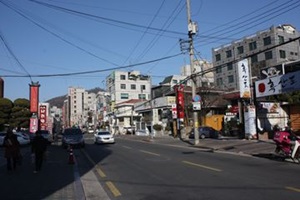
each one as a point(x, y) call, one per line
point(287, 145)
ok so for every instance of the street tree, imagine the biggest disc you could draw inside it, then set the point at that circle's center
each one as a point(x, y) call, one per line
point(20, 115)
point(6, 106)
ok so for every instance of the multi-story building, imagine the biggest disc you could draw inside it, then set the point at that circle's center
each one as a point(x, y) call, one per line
point(205, 77)
point(124, 86)
point(262, 49)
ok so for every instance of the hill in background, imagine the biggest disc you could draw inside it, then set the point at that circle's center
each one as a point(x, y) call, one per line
point(59, 101)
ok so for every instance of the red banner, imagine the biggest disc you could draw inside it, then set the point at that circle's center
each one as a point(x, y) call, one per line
point(34, 98)
point(43, 117)
point(180, 101)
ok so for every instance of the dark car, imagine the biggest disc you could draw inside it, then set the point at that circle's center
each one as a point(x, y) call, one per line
point(72, 137)
point(206, 132)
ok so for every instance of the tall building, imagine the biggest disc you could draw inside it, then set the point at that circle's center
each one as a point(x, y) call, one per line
point(75, 105)
point(258, 49)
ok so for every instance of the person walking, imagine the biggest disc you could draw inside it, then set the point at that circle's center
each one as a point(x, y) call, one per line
point(38, 149)
point(12, 150)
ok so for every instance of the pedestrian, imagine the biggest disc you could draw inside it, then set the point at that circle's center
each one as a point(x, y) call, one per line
point(12, 150)
point(38, 149)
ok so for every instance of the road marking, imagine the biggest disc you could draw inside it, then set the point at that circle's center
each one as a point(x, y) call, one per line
point(293, 189)
point(98, 169)
point(202, 166)
point(127, 147)
point(113, 188)
point(151, 153)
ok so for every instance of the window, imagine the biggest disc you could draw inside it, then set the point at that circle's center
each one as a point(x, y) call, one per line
point(174, 81)
point(142, 96)
point(228, 54)
point(133, 86)
point(123, 86)
point(268, 55)
point(282, 54)
point(229, 66)
point(218, 57)
point(143, 87)
point(122, 77)
point(219, 81)
point(230, 79)
point(218, 69)
point(124, 96)
point(281, 39)
point(240, 50)
point(267, 41)
point(252, 46)
point(254, 59)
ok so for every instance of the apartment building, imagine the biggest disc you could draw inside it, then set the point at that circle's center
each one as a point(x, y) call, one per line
point(124, 86)
point(263, 50)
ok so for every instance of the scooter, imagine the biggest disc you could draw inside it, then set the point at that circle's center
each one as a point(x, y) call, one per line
point(287, 146)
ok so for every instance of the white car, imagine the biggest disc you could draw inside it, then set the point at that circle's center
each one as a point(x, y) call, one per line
point(23, 138)
point(104, 137)
point(144, 132)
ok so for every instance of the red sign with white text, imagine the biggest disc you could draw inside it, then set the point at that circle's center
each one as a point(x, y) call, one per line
point(43, 117)
point(180, 101)
point(34, 98)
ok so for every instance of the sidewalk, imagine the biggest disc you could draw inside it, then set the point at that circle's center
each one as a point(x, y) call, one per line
point(223, 144)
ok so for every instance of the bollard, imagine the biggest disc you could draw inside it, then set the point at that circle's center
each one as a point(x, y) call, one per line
point(71, 156)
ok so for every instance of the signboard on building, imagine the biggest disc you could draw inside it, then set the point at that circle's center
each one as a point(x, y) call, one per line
point(289, 82)
point(268, 87)
point(244, 79)
point(33, 125)
point(174, 111)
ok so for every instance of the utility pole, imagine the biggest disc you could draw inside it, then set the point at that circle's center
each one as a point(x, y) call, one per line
point(192, 29)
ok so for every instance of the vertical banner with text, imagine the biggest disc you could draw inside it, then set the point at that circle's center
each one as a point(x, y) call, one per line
point(34, 97)
point(244, 79)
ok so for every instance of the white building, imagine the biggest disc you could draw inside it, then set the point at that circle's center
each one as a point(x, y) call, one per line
point(205, 76)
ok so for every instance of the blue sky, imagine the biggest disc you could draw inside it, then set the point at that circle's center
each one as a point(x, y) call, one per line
point(48, 38)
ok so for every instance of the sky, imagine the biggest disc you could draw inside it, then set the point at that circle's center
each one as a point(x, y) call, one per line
point(78, 43)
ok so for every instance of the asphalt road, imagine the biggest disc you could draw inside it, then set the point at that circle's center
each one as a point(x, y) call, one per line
point(141, 170)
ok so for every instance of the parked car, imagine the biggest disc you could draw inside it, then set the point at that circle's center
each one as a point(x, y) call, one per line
point(206, 132)
point(129, 130)
point(73, 137)
point(144, 132)
point(46, 134)
point(23, 138)
point(104, 137)
point(2, 136)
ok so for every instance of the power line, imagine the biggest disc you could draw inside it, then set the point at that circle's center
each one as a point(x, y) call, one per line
point(97, 71)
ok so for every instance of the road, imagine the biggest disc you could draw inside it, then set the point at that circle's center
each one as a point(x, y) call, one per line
point(143, 170)
point(140, 170)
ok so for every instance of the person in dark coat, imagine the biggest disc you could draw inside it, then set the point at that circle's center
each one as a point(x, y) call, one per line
point(12, 149)
point(38, 149)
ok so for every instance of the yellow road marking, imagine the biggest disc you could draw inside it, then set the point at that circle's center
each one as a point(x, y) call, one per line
point(99, 171)
point(202, 166)
point(151, 153)
point(113, 188)
point(293, 189)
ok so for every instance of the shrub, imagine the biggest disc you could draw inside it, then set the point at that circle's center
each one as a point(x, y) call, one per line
point(157, 127)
